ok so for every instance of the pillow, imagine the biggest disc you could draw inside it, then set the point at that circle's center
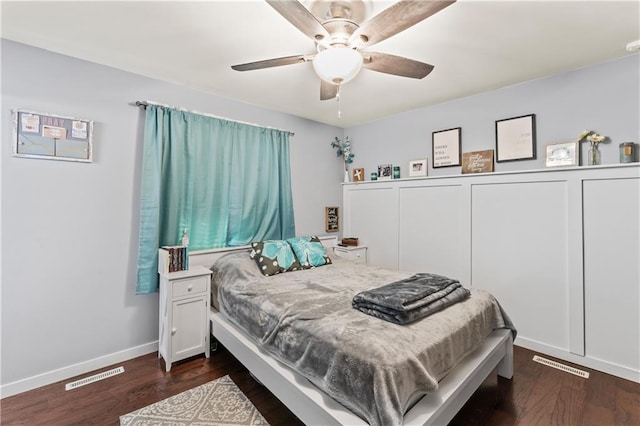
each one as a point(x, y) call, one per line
point(274, 257)
point(309, 251)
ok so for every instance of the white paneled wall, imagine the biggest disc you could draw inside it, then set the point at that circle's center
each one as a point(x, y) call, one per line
point(559, 248)
point(438, 210)
point(375, 208)
point(612, 274)
point(519, 245)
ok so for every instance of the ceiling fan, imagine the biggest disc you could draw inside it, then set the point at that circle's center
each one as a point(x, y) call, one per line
point(341, 33)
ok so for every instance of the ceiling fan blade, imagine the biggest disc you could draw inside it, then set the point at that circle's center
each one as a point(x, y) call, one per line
point(302, 19)
point(396, 65)
point(327, 90)
point(396, 18)
point(275, 62)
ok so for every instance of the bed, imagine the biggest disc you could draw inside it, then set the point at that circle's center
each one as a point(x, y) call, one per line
point(404, 377)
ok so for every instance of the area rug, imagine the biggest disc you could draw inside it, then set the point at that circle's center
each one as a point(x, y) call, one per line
point(219, 402)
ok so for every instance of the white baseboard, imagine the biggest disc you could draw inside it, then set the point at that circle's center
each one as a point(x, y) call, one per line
point(76, 369)
point(586, 361)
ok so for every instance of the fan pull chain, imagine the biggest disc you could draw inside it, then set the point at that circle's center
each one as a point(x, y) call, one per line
point(338, 101)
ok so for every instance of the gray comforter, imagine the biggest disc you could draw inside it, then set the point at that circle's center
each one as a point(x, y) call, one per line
point(410, 299)
point(375, 368)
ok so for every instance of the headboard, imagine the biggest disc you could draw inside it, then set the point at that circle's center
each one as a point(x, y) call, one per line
point(207, 257)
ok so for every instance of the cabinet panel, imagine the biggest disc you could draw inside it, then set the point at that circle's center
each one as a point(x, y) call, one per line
point(430, 227)
point(373, 217)
point(519, 243)
point(612, 270)
point(189, 323)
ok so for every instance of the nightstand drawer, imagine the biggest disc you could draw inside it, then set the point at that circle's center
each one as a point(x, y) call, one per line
point(187, 286)
point(355, 254)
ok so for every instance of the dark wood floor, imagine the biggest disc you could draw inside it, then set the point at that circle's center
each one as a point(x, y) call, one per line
point(537, 395)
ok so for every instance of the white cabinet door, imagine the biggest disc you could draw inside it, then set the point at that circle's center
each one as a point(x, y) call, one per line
point(612, 272)
point(189, 327)
point(373, 217)
point(430, 228)
point(519, 245)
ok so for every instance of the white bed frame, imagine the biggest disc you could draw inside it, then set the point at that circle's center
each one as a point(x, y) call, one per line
point(314, 407)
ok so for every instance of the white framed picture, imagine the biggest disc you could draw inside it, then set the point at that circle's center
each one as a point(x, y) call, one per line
point(418, 168)
point(52, 137)
point(562, 154)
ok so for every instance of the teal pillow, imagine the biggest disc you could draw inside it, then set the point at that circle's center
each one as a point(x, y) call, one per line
point(274, 257)
point(309, 251)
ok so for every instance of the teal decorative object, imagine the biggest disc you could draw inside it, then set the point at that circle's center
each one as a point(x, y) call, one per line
point(309, 251)
point(343, 149)
point(274, 257)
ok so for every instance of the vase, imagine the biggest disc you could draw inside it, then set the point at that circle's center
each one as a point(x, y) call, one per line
point(346, 176)
point(593, 158)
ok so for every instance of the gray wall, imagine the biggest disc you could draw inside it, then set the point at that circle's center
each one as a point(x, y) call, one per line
point(69, 230)
point(604, 98)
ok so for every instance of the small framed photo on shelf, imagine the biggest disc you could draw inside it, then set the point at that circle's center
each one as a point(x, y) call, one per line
point(418, 168)
point(477, 162)
point(562, 154)
point(446, 145)
point(331, 219)
point(516, 138)
point(358, 174)
point(385, 172)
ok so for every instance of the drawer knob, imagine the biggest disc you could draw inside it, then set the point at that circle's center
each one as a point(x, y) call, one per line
point(190, 287)
point(173, 331)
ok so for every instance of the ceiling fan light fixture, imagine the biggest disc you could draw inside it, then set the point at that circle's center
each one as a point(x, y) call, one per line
point(337, 65)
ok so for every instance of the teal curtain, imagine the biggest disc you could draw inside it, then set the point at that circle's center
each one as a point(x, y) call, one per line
point(227, 183)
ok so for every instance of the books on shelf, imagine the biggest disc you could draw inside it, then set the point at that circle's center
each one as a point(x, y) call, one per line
point(173, 259)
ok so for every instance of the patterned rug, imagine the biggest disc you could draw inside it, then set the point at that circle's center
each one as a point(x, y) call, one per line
point(219, 402)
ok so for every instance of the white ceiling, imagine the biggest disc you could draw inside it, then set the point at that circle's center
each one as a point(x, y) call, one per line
point(475, 46)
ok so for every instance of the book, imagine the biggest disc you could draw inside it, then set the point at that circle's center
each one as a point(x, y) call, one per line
point(173, 259)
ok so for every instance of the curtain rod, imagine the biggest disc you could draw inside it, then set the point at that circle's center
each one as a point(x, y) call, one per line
point(145, 104)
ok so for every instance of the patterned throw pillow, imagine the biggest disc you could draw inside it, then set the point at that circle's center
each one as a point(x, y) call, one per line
point(309, 251)
point(274, 257)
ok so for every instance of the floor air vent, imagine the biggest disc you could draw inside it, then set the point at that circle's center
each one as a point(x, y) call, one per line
point(94, 378)
point(562, 367)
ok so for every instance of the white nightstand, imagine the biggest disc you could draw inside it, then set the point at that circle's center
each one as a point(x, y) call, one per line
point(354, 253)
point(184, 312)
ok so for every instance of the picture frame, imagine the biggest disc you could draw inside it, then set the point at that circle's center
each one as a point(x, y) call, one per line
point(418, 168)
point(358, 174)
point(446, 147)
point(477, 162)
point(516, 138)
point(51, 136)
point(385, 172)
point(562, 154)
point(332, 219)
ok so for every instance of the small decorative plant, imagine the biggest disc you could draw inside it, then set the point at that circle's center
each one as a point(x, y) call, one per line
point(343, 149)
point(594, 139)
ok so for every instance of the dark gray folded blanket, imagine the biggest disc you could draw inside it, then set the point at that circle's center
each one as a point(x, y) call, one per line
point(407, 300)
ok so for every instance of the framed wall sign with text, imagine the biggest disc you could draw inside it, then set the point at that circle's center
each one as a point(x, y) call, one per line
point(446, 145)
point(477, 161)
point(516, 138)
point(331, 219)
